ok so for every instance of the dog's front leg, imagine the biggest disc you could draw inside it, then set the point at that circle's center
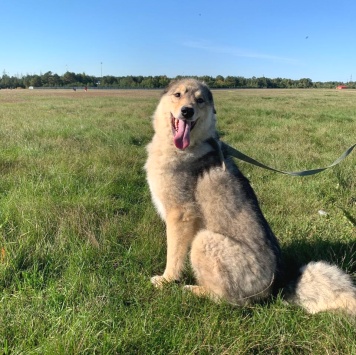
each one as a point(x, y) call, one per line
point(182, 225)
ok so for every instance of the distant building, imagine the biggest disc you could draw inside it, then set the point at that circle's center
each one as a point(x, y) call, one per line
point(341, 87)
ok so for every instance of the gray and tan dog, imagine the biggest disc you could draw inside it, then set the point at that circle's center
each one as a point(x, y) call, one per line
point(210, 209)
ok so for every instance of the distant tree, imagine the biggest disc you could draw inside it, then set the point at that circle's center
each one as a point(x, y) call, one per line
point(305, 83)
point(219, 81)
point(56, 80)
point(148, 83)
point(108, 80)
point(261, 82)
point(50, 79)
point(241, 82)
point(126, 82)
point(5, 80)
point(230, 82)
point(138, 80)
point(69, 78)
point(46, 79)
point(36, 81)
point(16, 82)
point(163, 81)
point(84, 80)
point(208, 80)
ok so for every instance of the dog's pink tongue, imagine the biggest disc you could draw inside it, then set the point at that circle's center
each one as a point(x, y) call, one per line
point(182, 136)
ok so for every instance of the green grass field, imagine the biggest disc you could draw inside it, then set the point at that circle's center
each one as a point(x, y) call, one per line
point(80, 239)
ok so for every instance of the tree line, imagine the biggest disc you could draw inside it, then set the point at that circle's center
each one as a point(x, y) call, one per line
point(70, 79)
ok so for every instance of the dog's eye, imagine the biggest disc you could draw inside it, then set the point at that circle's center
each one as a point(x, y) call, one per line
point(177, 94)
point(200, 100)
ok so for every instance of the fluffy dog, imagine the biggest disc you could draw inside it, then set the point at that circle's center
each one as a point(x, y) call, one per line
point(210, 209)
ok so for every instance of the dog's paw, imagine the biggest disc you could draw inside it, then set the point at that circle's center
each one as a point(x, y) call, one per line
point(159, 281)
point(190, 288)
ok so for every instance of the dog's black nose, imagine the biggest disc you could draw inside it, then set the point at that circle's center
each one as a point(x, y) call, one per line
point(187, 112)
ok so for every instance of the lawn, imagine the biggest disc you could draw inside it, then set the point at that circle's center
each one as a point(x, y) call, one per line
point(80, 239)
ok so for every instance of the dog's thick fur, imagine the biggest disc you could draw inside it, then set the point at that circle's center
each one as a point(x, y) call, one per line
point(211, 210)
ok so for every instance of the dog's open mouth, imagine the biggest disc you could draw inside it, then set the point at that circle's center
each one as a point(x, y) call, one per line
point(181, 132)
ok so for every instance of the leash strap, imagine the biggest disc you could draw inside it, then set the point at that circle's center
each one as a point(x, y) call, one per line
point(239, 155)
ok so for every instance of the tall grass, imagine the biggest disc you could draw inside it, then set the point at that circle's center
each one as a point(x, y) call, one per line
point(79, 237)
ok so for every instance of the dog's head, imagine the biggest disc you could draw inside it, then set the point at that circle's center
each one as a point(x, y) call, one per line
point(187, 111)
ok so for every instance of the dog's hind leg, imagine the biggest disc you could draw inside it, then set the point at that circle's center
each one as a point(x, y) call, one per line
point(207, 257)
point(201, 291)
point(229, 269)
point(182, 225)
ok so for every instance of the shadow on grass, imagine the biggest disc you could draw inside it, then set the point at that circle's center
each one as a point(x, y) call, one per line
point(301, 252)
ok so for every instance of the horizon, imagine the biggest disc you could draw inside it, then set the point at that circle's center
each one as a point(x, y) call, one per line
point(21, 76)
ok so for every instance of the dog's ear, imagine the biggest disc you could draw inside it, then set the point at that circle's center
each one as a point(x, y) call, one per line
point(210, 97)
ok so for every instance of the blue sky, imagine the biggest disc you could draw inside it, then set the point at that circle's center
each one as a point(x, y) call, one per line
point(294, 39)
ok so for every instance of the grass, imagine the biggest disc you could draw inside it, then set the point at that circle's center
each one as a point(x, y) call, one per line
point(80, 239)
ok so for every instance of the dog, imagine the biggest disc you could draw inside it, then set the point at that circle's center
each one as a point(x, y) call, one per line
point(212, 213)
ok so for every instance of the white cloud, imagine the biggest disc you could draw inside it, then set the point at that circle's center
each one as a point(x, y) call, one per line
point(236, 52)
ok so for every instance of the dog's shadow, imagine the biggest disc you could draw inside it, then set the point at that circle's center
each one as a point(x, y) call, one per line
point(301, 252)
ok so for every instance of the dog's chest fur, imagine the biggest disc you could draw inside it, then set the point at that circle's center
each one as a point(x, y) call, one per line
point(173, 181)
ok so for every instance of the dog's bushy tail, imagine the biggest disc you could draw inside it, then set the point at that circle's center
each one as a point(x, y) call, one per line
point(322, 287)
